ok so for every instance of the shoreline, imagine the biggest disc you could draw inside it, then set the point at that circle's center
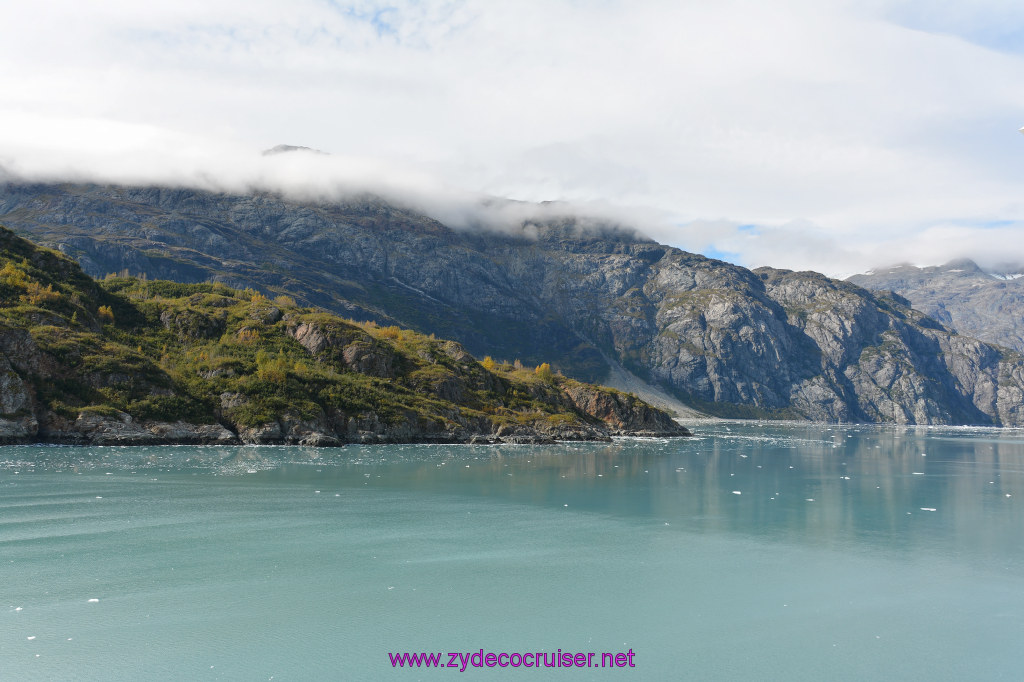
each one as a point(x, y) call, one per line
point(98, 430)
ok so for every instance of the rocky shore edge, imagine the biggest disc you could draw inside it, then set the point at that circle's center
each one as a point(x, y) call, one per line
point(120, 429)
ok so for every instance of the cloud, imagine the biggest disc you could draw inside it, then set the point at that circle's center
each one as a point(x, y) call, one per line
point(844, 131)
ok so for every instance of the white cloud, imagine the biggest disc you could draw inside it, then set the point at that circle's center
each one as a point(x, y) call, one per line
point(848, 132)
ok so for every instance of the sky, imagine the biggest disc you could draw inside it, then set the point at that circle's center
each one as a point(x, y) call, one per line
point(830, 135)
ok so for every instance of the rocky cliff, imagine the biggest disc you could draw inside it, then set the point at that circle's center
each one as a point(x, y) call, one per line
point(585, 297)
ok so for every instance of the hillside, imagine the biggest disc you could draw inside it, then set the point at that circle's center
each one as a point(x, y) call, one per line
point(127, 360)
point(591, 299)
point(988, 305)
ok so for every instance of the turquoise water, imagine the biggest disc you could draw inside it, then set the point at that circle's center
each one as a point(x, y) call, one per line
point(258, 563)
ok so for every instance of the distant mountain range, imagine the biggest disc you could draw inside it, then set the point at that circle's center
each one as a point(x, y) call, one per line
point(985, 304)
point(596, 301)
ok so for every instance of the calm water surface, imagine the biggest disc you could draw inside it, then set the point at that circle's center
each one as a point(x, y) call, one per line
point(760, 552)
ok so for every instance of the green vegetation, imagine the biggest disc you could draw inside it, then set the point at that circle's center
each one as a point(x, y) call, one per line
point(207, 353)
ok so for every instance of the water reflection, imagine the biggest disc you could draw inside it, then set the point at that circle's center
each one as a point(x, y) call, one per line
point(903, 488)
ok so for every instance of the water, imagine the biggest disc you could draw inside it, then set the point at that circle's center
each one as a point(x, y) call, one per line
point(258, 563)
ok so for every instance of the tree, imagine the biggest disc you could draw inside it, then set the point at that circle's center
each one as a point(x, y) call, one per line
point(106, 314)
point(543, 370)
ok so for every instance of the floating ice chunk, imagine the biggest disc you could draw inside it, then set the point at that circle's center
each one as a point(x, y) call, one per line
point(736, 492)
point(927, 508)
point(251, 471)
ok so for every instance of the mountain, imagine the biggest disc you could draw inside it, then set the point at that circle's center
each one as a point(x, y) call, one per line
point(137, 361)
point(985, 304)
point(592, 299)
point(287, 148)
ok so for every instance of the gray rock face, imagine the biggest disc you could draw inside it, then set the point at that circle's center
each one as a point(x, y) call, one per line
point(119, 429)
point(13, 392)
point(883, 361)
point(721, 338)
point(987, 305)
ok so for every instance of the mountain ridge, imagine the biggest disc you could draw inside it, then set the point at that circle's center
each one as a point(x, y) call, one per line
point(985, 303)
point(720, 338)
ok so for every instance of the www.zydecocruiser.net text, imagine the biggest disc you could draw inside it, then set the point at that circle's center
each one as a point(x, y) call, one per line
point(462, 660)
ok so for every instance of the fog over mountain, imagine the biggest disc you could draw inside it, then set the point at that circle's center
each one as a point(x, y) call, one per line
point(826, 135)
point(307, 174)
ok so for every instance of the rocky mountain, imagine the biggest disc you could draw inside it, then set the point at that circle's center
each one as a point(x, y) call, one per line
point(589, 298)
point(132, 361)
point(985, 304)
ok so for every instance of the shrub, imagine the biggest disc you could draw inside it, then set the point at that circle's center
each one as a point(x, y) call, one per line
point(248, 335)
point(35, 293)
point(105, 314)
point(272, 369)
point(391, 332)
point(13, 276)
point(543, 371)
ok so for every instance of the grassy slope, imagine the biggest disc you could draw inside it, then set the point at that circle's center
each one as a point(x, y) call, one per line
point(204, 353)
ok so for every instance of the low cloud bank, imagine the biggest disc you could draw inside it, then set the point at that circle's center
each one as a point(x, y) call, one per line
point(302, 174)
point(146, 155)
